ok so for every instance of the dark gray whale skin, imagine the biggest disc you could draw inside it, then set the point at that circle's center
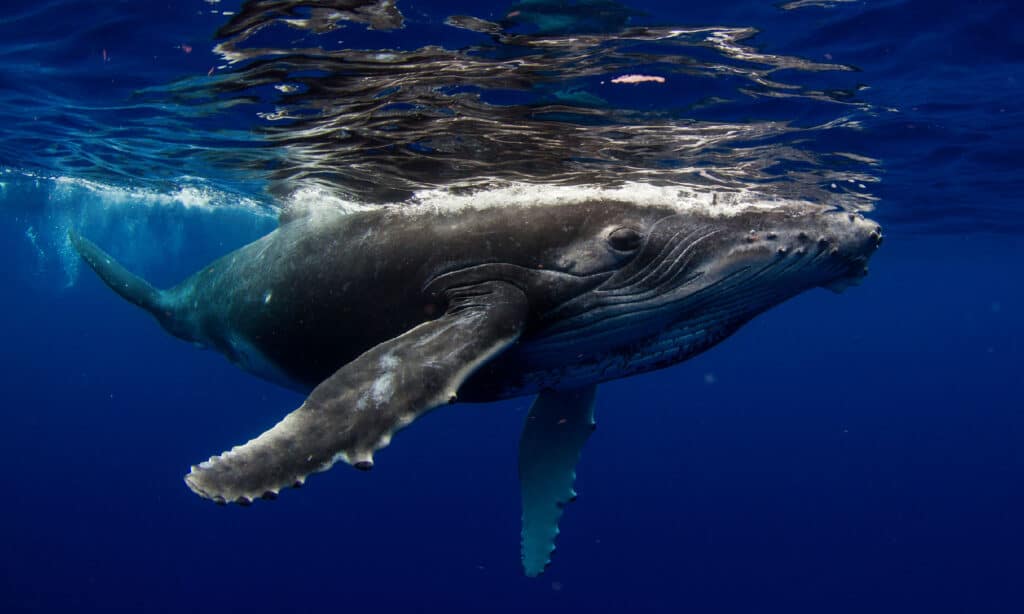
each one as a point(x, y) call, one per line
point(383, 315)
point(338, 283)
point(324, 288)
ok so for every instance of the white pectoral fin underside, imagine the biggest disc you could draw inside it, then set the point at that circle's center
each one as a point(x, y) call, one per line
point(556, 429)
point(355, 412)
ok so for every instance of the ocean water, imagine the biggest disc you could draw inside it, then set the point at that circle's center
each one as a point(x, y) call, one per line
point(850, 453)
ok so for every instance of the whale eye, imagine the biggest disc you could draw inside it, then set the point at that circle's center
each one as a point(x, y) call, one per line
point(624, 239)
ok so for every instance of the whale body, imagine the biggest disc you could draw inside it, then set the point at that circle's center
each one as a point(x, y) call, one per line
point(382, 315)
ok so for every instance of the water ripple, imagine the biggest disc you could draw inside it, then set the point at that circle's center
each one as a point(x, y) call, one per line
point(355, 99)
point(537, 106)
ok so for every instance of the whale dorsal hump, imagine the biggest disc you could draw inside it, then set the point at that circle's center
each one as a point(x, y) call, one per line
point(290, 214)
point(301, 208)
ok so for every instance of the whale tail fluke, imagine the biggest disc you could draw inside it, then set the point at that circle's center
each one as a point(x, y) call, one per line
point(130, 286)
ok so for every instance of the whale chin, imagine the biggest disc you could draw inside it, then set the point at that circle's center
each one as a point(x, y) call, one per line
point(842, 284)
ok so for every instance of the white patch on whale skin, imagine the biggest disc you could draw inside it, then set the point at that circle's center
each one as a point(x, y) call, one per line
point(682, 198)
point(315, 203)
point(383, 387)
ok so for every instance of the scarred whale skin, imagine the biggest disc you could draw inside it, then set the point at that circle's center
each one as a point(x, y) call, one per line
point(382, 315)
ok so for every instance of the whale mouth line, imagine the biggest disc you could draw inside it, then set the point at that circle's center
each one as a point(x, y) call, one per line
point(621, 314)
point(746, 289)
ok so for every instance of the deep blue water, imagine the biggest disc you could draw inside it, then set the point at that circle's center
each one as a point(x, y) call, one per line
point(850, 453)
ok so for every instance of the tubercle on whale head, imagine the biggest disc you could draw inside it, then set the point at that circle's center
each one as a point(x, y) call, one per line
point(835, 241)
point(828, 242)
point(792, 252)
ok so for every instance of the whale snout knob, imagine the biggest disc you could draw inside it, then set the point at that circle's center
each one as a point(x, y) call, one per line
point(859, 236)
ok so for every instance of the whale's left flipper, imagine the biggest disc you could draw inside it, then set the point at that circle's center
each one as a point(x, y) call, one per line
point(558, 425)
point(355, 411)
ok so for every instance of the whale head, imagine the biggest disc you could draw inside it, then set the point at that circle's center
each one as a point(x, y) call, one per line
point(692, 277)
point(745, 259)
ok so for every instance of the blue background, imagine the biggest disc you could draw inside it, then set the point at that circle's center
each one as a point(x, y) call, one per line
point(844, 453)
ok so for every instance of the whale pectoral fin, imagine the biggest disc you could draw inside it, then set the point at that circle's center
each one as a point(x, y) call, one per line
point(355, 412)
point(558, 425)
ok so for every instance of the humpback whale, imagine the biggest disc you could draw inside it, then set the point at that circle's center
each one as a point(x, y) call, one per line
point(382, 315)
